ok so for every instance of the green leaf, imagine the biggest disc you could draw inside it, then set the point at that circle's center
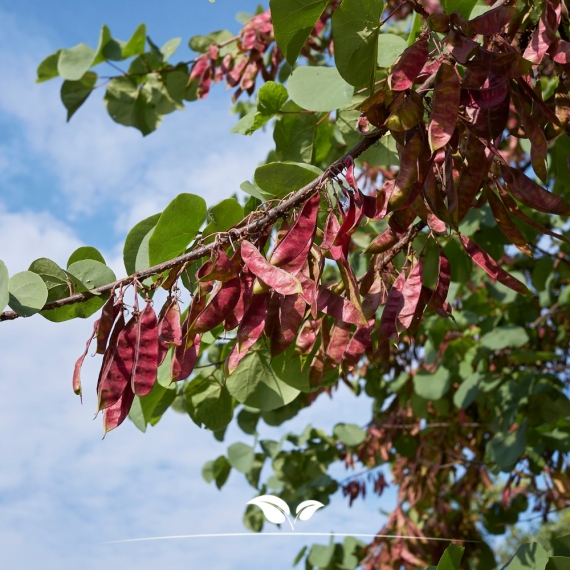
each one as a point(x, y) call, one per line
point(176, 227)
point(120, 98)
point(209, 403)
point(528, 557)
point(91, 274)
point(47, 69)
point(293, 22)
point(134, 240)
point(271, 448)
point(320, 555)
point(295, 134)
point(136, 415)
point(241, 457)
point(218, 471)
point(170, 47)
point(383, 153)
point(506, 448)
point(417, 23)
point(76, 311)
point(272, 96)
point(75, 93)
point(135, 45)
point(350, 434)
point(255, 384)
point(503, 337)
point(252, 190)
point(142, 260)
point(558, 563)
point(451, 558)
point(355, 26)
point(4, 292)
point(277, 179)
point(176, 81)
point(201, 44)
point(107, 48)
point(467, 391)
point(53, 276)
point(319, 88)
point(462, 7)
point(85, 252)
point(293, 369)
point(223, 216)
point(73, 63)
point(432, 386)
point(245, 126)
point(300, 556)
point(28, 293)
point(390, 47)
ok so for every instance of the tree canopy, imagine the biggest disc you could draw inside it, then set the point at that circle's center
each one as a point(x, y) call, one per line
point(406, 237)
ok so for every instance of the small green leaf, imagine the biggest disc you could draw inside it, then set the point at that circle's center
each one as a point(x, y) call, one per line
point(47, 69)
point(272, 97)
point(255, 191)
point(503, 337)
point(76, 311)
point(218, 471)
point(245, 125)
point(355, 25)
point(170, 47)
point(350, 434)
point(529, 556)
point(293, 369)
point(4, 292)
point(75, 93)
point(293, 22)
point(390, 47)
point(432, 386)
point(467, 391)
point(177, 226)
point(85, 252)
point(209, 403)
point(91, 274)
point(241, 457)
point(319, 88)
point(200, 44)
point(277, 179)
point(451, 558)
point(254, 383)
point(223, 216)
point(73, 63)
point(28, 293)
point(135, 45)
point(107, 48)
point(134, 240)
point(320, 555)
point(136, 415)
point(53, 276)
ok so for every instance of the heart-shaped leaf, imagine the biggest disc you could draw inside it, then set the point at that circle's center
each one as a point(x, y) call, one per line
point(274, 508)
point(307, 509)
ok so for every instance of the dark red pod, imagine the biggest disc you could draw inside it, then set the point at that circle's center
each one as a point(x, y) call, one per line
point(408, 175)
point(219, 306)
point(185, 357)
point(392, 308)
point(339, 308)
point(307, 336)
point(338, 341)
point(387, 239)
point(169, 329)
point(360, 342)
point(493, 21)
point(291, 314)
point(108, 316)
point(408, 66)
point(116, 414)
point(437, 301)
point(145, 363)
point(411, 297)
point(79, 363)
point(445, 106)
point(331, 232)
point(221, 268)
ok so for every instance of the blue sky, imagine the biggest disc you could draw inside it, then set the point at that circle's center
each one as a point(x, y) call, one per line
point(63, 491)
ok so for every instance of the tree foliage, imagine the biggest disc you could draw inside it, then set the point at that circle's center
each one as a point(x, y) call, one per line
point(407, 237)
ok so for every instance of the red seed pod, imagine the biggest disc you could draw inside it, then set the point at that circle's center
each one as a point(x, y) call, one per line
point(545, 35)
point(514, 210)
point(145, 362)
point(438, 22)
point(307, 336)
point(391, 310)
point(434, 197)
point(222, 268)
point(490, 266)
point(291, 252)
point(169, 329)
point(562, 53)
point(408, 175)
point(408, 66)
point(437, 301)
point(249, 331)
point(185, 357)
point(506, 225)
point(120, 366)
point(108, 316)
point(220, 305)
point(116, 414)
point(493, 21)
point(331, 231)
point(111, 349)
point(274, 277)
point(291, 314)
point(360, 342)
point(445, 106)
point(485, 97)
point(532, 194)
point(387, 239)
point(339, 338)
point(79, 363)
point(411, 295)
point(339, 308)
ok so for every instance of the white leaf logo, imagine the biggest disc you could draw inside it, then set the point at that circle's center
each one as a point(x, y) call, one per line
point(274, 508)
point(307, 509)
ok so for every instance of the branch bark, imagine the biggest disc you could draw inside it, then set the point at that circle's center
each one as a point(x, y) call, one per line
point(234, 235)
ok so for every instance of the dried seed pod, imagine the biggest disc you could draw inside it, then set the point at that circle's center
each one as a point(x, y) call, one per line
point(437, 301)
point(79, 363)
point(339, 308)
point(391, 310)
point(411, 295)
point(185, 357)
point(443, 117)
point(169, 328)
point(408, 66)
point(291, 314)
point(108, 316)
point(116, 414)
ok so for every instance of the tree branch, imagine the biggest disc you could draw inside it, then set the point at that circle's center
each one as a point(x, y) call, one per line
point(235, 235)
